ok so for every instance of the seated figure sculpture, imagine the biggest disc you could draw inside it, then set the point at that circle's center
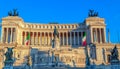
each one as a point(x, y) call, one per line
point(114, 54)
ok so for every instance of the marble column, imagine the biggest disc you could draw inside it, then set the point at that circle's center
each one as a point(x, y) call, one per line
point(44, 38)
point(104, 35)
point(40, 39)
point(11, 35)
point(78, 38)
point(96, 32)
point(15, 35)
point(74, 38)
point(100, 35)
point(94, 35)
point(51, 38)
point(33, 38)
point(70, 38)
point(67, 38)
point(59, 38)
point(81, 37)
point(3, 35)
point(37, 38)
point(7, 35)
point(47, 38)
point(24, 37)
point(63, 38)
point(91, 31)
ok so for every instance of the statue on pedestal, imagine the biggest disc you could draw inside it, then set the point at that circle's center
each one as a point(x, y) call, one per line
point(55, 41)
point(55, 32)
point(8, 63)
point(9, 54)
point(114, 56)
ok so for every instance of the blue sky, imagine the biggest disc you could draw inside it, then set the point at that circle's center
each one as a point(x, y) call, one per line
point(65, 11)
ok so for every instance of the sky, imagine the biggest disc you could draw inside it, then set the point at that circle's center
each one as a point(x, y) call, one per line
point(65, 11)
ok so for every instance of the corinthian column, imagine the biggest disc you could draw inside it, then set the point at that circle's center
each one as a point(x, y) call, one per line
point(74, 38)
point(3, 35)
point(11, 35)
point(59, 38)
point(78, 37)
point(81, 37)
point(70, 38)
point(33, 38)
point(96, 35)
point(44, 38)
point(67, 38)
point(63, 38)
point(104, 35)
point(37, 38)
point(100, 35)
point(91, 34)
point(25, 38)
point(7, 35)
point(40, 39)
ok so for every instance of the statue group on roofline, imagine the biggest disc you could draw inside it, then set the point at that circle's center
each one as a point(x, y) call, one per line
point(13, 13)
point(92, 13)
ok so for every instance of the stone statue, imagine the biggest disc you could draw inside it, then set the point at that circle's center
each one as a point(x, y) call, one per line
point(114, 54)
point(55, 32)
point(14, 13)
point(9, 54)
point(10, 13)
point(56, 41)
point(92, 13)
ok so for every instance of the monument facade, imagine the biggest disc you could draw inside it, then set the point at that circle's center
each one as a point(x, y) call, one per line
point(67, 40)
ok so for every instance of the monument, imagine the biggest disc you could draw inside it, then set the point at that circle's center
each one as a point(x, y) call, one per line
point(67, 45)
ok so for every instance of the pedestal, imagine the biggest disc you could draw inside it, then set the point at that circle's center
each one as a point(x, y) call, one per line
point(114, 62)
point(8, 65)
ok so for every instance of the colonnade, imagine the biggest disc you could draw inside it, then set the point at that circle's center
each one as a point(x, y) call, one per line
point(8, 35)
point(45, 38)
point(98, 35)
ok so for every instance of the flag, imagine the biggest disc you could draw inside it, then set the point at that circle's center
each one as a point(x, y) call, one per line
point(27, 39)
point(84, 43)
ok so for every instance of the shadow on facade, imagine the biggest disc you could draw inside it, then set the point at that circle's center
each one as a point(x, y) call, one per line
point(45, 60)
